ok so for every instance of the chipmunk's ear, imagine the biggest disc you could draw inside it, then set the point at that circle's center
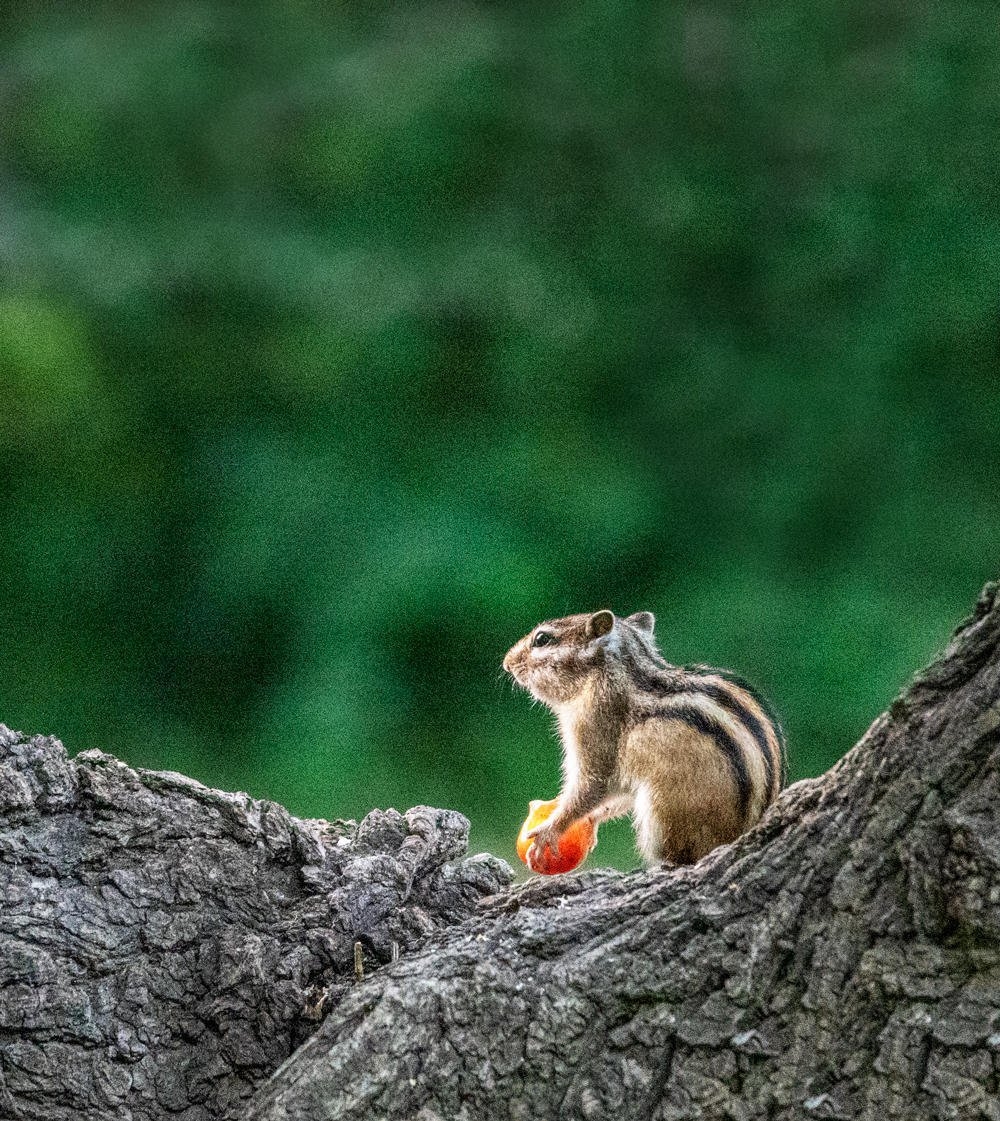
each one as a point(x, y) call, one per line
point(644, 620)
point(600, 623)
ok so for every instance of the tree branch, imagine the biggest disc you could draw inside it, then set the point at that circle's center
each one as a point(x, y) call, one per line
point(165, 948)
point(841, 960)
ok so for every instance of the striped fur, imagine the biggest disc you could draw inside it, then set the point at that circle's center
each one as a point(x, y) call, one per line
point(693, 752)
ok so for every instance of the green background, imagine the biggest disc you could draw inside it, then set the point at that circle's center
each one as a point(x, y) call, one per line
point(339, 345)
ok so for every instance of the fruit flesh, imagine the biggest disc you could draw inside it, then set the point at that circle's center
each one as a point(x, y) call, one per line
point(574, 844)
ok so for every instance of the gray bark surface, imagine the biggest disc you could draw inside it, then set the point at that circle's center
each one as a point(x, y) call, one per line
point(165, 948)
point(842, 960)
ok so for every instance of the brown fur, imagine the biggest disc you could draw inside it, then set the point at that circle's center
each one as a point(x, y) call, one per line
point(691, 800)
point(681, 749)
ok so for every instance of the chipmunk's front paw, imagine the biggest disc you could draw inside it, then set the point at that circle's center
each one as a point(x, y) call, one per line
point(544, 845)
point(550, 846)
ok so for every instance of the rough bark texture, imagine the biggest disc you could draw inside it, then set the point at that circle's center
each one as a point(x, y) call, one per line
point(163, 946)
point(842, 960)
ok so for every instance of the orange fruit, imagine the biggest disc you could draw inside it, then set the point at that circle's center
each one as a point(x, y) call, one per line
point(574, 844)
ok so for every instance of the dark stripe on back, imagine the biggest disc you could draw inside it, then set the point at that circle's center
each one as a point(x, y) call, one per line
point(765, 706)
point(709, 726)
point(737, 679)
point(650, 682)
point(726, 700)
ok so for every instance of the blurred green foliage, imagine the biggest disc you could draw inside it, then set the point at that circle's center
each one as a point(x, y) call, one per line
point(340, 344)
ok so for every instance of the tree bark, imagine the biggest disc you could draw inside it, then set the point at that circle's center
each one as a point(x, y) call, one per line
point(163, 947)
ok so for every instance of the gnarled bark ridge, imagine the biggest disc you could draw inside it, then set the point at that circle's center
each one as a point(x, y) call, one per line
point(163, 947)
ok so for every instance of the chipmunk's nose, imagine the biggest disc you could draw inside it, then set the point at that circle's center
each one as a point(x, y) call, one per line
point(508, 661)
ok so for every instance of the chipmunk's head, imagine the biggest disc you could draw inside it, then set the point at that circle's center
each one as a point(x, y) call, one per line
point(555, 660)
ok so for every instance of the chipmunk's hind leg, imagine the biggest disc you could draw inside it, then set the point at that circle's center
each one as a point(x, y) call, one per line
point(648, 830)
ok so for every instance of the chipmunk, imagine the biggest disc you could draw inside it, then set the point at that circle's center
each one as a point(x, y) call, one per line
point(692, 752)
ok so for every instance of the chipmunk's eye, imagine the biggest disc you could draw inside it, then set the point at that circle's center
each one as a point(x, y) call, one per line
point(543, 638)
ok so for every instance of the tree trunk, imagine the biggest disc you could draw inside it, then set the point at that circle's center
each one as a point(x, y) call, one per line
point(164, 947)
